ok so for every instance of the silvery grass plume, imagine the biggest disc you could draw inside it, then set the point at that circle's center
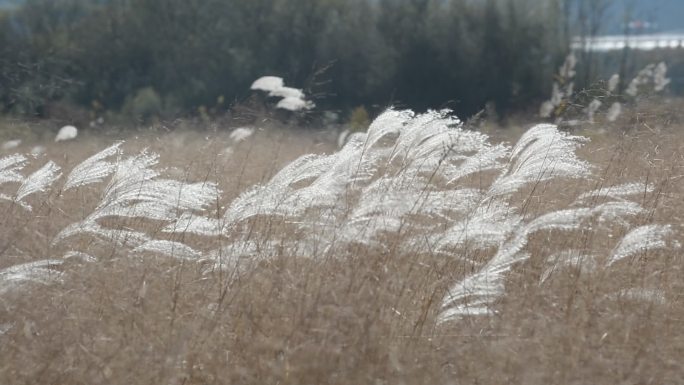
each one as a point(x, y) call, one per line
point(614, 112)
point(619, 192)
point(42, 271)
point(653, 75)
point(168, 248)
point(293, 99)
point(240, 134)
point(568, 259)
point(66, 133)
point(543, 153)
point(10, 166)
point(485, 286)
point(134, 191)
point(654, 296)
point(37, 182)
point(640, 240)
point(412, 182)
point(94, 169)
point(563, 88)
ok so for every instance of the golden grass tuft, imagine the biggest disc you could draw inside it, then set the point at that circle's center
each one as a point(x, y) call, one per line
point(370, 318)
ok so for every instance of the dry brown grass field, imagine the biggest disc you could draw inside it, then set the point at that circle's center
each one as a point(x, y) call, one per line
point(356, 313)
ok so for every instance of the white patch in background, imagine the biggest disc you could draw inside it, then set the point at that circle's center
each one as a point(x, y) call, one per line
point(342, 138)
point(241, 133)
point(66, 133)
point(614, 112)
point(592, 108)
point(227, 152)
point(293, 99)
point(267, 83)
point(11, 144)
point(38, 150)
point(613, 82)
point(287, 92)
point(295, 104)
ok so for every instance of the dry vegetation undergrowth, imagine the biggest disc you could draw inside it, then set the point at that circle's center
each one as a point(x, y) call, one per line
point(420, 253)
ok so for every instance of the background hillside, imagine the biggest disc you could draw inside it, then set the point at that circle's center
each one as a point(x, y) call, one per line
point(170, 58)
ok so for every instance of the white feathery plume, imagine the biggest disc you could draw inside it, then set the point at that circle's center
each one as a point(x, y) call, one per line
point(616, 212)
point(436, 143)
point(94, 169)
point(39, 180)
point(267, 83)
point(660, 80)
point(169, 248)
point(66, 133)
point(38, 150)
point(541, 154)
point(350, 167)
point(79, 255)
point(157, 199)
point(189, 223)
point(293, 99)
point(640, 239)
point(546, 109)
point(489, 225)
point(246, 250)
point(11, 144)
point(592, 108)
point(386, 196)
point(303, 170)
point(389, 123)
point(431, 136)
point(484, 160)
point(488, 281)
point(10, 167)
point(391, 202)
point(270, 198)
point(295, 104)
point(287, 92)
point(477, 291)
point(238, 255)
point(342, 138)
point(449, 204)
point(567, 258)
point(613, 82)
point(134, 192)
point(568, 220)
point(617, 192)
point(120, 237)
point(129, 178)
point(641, 294)
point(241, 133)
point(417, 129)
point(652, 74)
point(567, 70)
point(83, 227)
point(380, 208)
point(5, 327)
point(614, 112)
point(38, 271)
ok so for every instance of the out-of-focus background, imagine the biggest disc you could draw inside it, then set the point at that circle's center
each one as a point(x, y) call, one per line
point(140, 61)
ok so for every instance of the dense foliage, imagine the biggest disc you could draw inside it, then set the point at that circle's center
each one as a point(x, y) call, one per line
point(194, 53)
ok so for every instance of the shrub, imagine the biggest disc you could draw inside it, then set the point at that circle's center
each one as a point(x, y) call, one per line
point(144, 105)
point(359, 120)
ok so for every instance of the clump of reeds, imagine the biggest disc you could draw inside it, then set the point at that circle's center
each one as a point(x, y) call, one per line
point(412, 183)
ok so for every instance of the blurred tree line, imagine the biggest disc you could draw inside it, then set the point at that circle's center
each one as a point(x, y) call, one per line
point(176, 56)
